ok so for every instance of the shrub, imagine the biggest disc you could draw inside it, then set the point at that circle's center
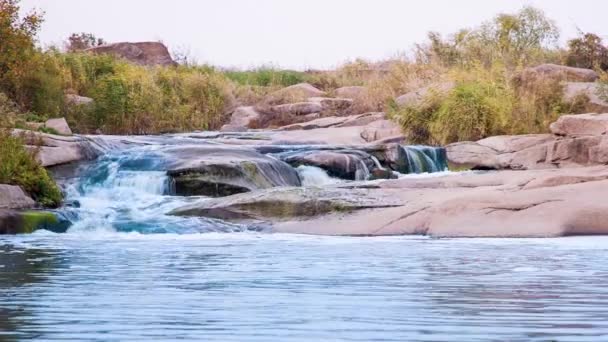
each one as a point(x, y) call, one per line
point(588, 52)
point(266, 77)
point(18, 166)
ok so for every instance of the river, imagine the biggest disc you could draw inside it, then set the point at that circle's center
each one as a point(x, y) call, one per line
point(126, 271)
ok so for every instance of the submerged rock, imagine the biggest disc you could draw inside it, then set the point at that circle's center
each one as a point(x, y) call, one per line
point(222, 171)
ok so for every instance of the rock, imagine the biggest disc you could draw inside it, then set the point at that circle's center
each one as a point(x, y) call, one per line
point(59, 125)
point(221, 171)
point(76, 100)
point(382, 174)
point(362, 119)
point(339, 106)
point(320, 136)
point(300, 90)
point(26, 222)
point(557, 72)
point(345, 164)
point(514, 143)
point(325, 122)
point(542, 203)
point(415, 98)
point(580, 124)
point(298, 108)
point(55, 150)
point(13, 197)
point(233, 128)
point(143, 53)
point(591, 92)
point(352, 92)
point(284, 204)
point(471, 155)
point(380, 129)
point(246, 117)
point(336, 121)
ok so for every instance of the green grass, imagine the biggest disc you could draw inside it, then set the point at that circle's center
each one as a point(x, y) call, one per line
point(18, 166)
point(266, 77)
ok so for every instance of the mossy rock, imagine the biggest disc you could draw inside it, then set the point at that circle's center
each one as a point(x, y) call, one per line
point(27, 222)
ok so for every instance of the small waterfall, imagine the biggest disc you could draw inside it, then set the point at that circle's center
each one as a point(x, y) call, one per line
point(315, 176)
point(422, 159)
point(125, 192)
point(362, 173)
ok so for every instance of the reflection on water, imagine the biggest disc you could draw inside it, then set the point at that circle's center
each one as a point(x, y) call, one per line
point(262, 287)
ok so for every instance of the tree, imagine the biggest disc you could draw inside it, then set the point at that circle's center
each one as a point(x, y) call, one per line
point(587, 51)
point(82, 41)
point(17, 36)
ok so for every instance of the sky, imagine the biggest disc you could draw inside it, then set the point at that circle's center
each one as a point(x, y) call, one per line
point(297, 34)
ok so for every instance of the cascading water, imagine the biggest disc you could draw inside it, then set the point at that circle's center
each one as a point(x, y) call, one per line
point(315, 176)
point(127, 191)
point(422, 159)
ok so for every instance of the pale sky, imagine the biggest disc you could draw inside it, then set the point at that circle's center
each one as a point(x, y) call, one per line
point(295, 34)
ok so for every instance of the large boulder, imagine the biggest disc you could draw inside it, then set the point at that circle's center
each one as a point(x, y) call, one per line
point(13, 197)
point(77, 100)
point(52, 150)
point(241, 119)
point(143, 53)
point(25, 222)
point(345, 164)
point(221, 171)
point(284, 204)
point(297, 108)
point(351, 92)
point(295, 93)
point(416, 97)
point(380, 129)
point(580, 124)
point(557, 72)
point(59, 125)
point(591, 93)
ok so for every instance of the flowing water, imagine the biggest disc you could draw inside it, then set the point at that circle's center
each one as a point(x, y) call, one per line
point(126, 271)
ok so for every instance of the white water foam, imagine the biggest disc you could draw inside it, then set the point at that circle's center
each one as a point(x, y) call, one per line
point(315, 176)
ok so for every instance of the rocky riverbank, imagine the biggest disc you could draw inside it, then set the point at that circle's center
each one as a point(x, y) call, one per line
point(541, 185)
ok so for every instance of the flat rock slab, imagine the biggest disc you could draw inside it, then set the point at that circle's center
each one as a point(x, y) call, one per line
point(285, 204)
point(543, 203)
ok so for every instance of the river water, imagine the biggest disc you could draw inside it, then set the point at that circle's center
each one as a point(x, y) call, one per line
point(126, 271)
point(252, 286)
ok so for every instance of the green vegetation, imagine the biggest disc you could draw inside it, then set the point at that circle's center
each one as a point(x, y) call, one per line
point(18, 166)
point(267, 77)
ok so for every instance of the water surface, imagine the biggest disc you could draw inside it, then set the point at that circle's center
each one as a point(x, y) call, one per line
point(250, 286)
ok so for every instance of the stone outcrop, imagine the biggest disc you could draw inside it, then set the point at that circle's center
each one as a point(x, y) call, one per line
point(336, 121)
point(221, 171)
point(284, 204)
point(13, 197)
point(52, 150)
point(352, 92)
point(76, 100)
point(241, 119)
point(25, 222)
point(415, 98)
point(542, 203)
point(379, 130)
point(557, 72)
point(143, 53)
point(344, 164)
point(591, 93)
point(577, 140)
point(59, 125)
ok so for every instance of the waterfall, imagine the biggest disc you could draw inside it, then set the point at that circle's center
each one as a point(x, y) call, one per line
point(124, 191)
point(422, 159)
point(362, 173)
point(315, 176)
